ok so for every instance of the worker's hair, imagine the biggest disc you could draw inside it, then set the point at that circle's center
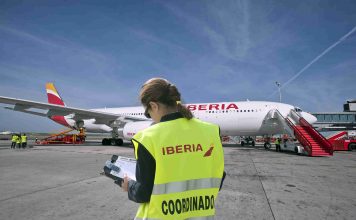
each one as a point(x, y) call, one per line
point(162, 91)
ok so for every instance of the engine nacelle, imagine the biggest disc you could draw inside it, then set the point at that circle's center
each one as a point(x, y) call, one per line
point(131, 128)
point(79, 124)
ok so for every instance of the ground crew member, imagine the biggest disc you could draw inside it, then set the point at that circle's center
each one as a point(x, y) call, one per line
point(18, 141)
point(180, 160)
point(13, 141)
point(24, 140)
point(277, 142)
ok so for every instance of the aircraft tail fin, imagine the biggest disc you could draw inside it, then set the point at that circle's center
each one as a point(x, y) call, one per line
point(53, 95)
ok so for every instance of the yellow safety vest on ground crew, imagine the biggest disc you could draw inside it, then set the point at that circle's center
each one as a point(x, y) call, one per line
point(14, 138)
point(189, 168)
point(18, 140)
point(23, 138)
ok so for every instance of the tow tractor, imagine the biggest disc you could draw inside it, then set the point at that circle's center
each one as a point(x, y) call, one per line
point(343, 141)
point(293, 145)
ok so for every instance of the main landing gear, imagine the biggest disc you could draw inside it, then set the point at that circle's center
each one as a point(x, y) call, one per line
point(248, 141)
point(113, 141)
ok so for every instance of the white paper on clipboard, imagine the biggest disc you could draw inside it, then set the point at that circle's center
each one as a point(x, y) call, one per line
point(123, 166)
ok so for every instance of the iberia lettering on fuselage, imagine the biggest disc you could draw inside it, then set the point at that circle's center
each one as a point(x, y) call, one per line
point(222, 106)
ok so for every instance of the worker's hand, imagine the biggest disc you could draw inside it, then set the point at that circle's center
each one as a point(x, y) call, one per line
point(125, 184)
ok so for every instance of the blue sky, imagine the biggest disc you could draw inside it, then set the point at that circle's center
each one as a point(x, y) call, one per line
point(98, 53)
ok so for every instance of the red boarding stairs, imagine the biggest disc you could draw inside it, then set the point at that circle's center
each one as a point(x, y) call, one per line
point(312, 141)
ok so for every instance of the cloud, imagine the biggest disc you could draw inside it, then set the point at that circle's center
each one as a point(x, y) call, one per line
point(144, 35)
point(323, 91)
point(317, 58)
point(61, 61)
point(27, 36)
point(213, 51)
point(58, 45)
point(229, 37)
point(31, 61)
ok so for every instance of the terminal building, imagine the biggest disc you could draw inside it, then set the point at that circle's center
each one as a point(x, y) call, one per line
point(337, 121)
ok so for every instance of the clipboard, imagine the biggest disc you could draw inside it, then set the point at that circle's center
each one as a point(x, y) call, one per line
point(119, 167)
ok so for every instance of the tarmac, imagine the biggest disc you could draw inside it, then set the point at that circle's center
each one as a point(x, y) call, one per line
point(64, 182)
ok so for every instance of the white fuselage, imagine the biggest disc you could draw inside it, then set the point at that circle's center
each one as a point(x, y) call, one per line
point(234, 118)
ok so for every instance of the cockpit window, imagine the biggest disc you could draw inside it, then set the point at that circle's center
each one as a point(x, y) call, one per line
point(297, 109)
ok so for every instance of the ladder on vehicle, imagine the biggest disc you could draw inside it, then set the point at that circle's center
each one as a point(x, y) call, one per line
point(342, 141)
point(337, 135)
point(312, 141)
point(64, 138)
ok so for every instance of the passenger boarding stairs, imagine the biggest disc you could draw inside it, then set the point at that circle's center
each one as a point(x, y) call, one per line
point(312, 141)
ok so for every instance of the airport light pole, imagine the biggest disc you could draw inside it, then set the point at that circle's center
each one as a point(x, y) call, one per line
point(279, 90)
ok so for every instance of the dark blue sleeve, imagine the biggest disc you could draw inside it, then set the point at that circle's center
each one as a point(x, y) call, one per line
point(222, 180)
point(140, 190)
point(224, 173)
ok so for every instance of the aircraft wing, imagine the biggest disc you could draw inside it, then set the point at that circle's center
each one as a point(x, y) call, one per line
point(75, 113)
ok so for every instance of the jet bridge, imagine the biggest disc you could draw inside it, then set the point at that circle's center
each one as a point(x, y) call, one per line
point(312, 141)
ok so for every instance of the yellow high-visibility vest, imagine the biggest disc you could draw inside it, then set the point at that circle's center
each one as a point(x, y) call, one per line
point(18, 140)
point(23, 138)
point(189, 167)
point(14, 138)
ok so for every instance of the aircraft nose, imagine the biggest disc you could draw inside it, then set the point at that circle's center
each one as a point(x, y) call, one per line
point(309, 117)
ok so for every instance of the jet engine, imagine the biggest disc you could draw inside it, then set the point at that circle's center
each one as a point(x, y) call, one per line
point(79, 124)
point(131, 128)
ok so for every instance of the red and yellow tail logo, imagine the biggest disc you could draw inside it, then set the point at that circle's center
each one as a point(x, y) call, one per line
point(53, 96)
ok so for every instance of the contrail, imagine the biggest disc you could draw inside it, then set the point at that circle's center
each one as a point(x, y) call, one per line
point(316, 59)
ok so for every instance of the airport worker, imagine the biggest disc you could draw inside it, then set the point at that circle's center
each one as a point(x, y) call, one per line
point(180, 160)
point(18, 141)
point(24, 140)
point(278, 144)
point(13, 141)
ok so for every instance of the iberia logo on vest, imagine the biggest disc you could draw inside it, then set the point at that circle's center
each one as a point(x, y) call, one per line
point(186, 148)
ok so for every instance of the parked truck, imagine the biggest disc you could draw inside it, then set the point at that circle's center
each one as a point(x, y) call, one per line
point(343, 141)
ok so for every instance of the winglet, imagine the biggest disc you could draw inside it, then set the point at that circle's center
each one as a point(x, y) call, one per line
point(53, 95)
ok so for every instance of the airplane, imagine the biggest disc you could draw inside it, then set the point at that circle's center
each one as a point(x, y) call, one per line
point(243, 118)
point(6, 132)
